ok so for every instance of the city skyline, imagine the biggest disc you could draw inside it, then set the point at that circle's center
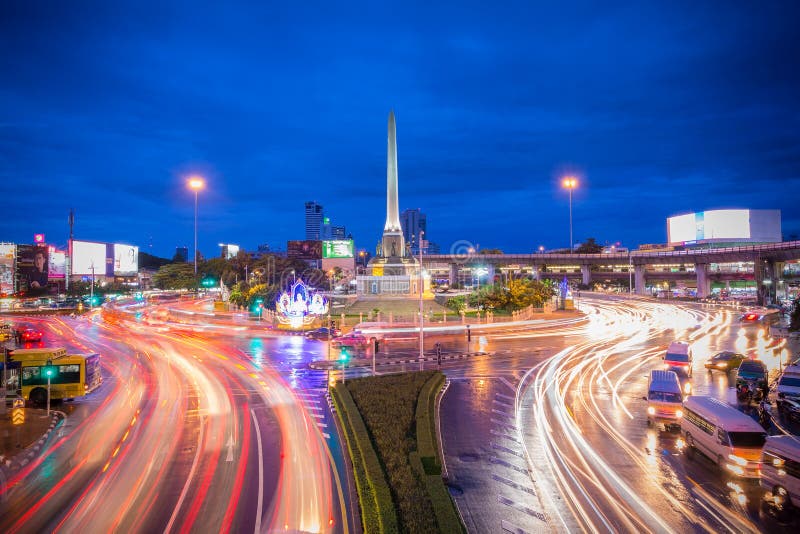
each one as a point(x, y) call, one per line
point(692, 112)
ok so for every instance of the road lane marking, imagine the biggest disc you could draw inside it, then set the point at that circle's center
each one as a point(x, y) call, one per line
point(522, 508)
point(498, 461)
point(510, 527)
point(506, 449)
point(513, 484)
point(260, 475)
point(189, 479)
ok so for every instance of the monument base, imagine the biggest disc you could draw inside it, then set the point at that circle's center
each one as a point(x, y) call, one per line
point(394, 276)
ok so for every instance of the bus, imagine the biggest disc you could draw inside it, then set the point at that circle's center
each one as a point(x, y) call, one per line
point(76, 374)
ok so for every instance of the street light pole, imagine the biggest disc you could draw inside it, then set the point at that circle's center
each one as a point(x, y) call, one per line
point(195, 184)
point(570, 183)
point(421, 313)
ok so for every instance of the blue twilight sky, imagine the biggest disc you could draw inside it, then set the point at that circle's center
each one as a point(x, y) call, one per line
point(659, 109)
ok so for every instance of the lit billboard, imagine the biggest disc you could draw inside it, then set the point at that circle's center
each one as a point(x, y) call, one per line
point(304, 250)
point(31, 266)
point(126, 260)
point(88, 258)
point(337, 249)
point(57, 266)
point(7, 268)
point(726, 225)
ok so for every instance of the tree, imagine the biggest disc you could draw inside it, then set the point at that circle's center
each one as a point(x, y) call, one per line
point(590, 246)
point(175, 276)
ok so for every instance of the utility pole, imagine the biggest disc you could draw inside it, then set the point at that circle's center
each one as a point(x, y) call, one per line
point(421, 312)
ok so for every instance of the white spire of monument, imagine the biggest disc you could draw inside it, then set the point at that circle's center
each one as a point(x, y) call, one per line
point(392, 209)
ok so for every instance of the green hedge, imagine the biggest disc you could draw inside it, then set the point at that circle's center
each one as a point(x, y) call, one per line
point(426, 425)
point(388, 405)
point(375, 500)
point(447, 518)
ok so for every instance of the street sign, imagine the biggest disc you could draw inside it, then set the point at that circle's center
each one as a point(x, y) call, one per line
point(18, 416)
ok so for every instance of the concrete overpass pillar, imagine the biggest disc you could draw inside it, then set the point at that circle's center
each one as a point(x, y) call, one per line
point(767, 276)
point(638, 279)
point(537, 275)
point(586, 275)
point(490, 274)
point(453, 273)
point(703, 281)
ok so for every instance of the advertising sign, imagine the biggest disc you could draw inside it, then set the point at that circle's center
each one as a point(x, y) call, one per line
point(304, 250)
point(337, 249)
point(7, 269)
point(57, 266)
point(32, 263)
point(126, 260)
point(88, 256)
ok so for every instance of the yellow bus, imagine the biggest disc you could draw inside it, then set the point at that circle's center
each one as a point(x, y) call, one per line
point(76, 374)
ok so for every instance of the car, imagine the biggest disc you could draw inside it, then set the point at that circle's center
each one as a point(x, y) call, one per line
point(789, 408)
point(724, 361)
point(759, 316)
point(351, 339)
point(322, 333)
point(787, 385)
point(28, 335)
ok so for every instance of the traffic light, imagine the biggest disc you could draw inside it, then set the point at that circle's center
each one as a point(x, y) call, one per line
point(344, 355)
point(208, 282)
point(49, 371)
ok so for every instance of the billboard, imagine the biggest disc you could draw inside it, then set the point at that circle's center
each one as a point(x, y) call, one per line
point(126, 260)
point(7, 268)
point(726, 225)
point(88, 258)
point(57, 265)
point(304, 250)
point(32, 261)
point(337, 249)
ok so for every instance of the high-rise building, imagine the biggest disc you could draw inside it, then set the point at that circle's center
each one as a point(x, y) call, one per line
point(313, 221)
point(181, 253)
point(330, 231)
point(413, 222)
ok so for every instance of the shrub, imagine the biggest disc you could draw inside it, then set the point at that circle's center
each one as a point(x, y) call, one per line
point(387, 405)
point(375, 500)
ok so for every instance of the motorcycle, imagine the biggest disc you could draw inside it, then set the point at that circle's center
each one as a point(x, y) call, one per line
point(764, 415)
point(749, 391)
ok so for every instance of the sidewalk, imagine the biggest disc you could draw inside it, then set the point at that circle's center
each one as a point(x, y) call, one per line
point(20, 443)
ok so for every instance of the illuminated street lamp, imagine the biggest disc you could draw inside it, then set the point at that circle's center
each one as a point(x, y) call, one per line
point(196, 184)
point(570, 183)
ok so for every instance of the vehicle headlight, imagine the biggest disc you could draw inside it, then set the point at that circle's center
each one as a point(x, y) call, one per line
point(678, 413)
point(687, 387)
point(738, 459)
point(651, 410)
point(721, 365)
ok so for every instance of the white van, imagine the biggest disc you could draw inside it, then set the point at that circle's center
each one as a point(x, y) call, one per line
point(724, 434)
point(780, 472)
point(679, 358)
point(664, 398)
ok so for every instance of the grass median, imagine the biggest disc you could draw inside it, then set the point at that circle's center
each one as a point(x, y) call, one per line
point(397, 413)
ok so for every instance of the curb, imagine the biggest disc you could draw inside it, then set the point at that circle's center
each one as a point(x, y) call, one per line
point(332, 364)
point(25, 456)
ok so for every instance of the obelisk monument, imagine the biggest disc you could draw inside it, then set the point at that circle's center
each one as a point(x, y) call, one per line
point(392, 272)
point(393, 243)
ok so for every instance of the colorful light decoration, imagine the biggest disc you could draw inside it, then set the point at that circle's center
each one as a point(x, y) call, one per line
point(300, 306)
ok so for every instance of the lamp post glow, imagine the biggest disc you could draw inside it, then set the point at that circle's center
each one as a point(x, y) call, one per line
point(195, 184)
point(570, 183)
